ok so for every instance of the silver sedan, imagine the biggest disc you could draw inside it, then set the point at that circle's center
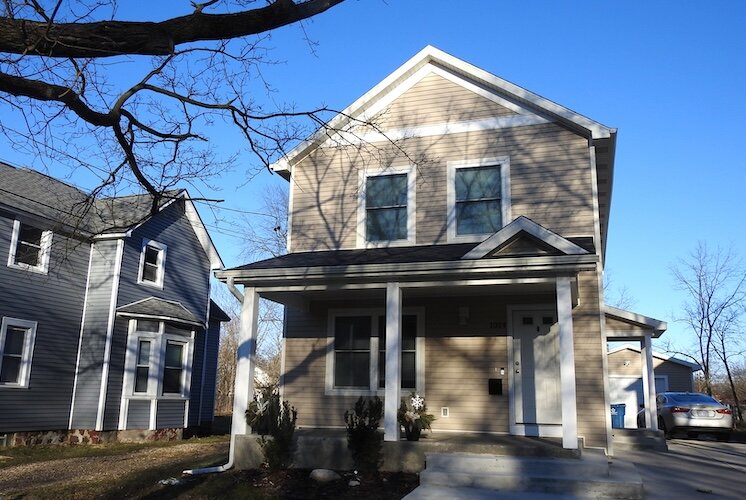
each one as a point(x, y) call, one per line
point(691, 412)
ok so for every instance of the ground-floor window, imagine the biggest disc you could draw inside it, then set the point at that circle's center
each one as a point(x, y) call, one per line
point(357, 355)
point(16, 346)
point(158, 359)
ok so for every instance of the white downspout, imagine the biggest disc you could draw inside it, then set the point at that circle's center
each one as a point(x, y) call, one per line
point(245, 324)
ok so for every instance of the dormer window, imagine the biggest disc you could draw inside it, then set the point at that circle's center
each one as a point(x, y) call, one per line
point(29, 248)
point(152, 263)
point(478, 198)
point(386, 210)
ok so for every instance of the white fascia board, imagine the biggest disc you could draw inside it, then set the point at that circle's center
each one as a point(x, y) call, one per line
point(524, 224)
point(476, 269)
point(656, 354)
point(430, 55)
point(201, 231)
point(632, 317)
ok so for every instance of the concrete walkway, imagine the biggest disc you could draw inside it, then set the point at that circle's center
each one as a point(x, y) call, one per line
point(692, 469)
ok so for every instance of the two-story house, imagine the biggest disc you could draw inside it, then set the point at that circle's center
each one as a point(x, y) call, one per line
point(447, 234)
point(107, 322)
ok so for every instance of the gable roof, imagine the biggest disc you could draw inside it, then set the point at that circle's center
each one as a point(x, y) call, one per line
point(159, 309)
point(526, 226)
point(40, 195)
point(459, 71)
point(634, 323)
point(694, 366)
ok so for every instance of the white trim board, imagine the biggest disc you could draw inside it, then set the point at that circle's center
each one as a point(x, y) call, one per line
point(429, 60)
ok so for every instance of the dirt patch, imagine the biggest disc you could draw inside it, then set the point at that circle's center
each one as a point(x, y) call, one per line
point(47, 475)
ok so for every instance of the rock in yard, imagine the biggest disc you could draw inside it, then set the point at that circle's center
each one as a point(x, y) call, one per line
point(324, 475)
point(354, 482)
point(171, 481)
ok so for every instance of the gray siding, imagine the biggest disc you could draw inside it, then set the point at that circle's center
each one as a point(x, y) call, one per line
point(138, 414)
point(196, 386)
point(170, 414)
point(186, 280)
point(207, 412)
point(55, 302)
point(94, 334)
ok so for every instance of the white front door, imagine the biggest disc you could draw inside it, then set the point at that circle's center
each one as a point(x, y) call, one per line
point(536, 373)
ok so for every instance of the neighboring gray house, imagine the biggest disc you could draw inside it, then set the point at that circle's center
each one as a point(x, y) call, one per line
point(625, 379)
point(107, 324)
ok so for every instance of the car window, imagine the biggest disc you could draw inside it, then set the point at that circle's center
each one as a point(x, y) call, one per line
point(693, 398)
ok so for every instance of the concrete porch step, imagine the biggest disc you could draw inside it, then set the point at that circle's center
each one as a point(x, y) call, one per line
point(592, 464)
point(639, 439)
point(589, 477)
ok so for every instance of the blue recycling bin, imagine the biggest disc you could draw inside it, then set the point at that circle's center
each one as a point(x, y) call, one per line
point(617, 416)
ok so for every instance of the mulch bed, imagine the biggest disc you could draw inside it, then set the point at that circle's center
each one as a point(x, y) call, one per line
point(297, 484)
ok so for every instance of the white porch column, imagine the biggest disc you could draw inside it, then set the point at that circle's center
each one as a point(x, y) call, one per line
point(567, 364)
point(243, 391)
point(393, 362)
point(648, 383)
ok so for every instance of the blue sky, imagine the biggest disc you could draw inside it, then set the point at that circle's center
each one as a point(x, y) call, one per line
point(670, 76)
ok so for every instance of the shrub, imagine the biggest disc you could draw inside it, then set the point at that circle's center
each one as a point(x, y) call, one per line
point(363, 439)
point(268, 417)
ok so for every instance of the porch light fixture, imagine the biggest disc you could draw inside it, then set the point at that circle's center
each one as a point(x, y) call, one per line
point(463, 315)
point(502, 371)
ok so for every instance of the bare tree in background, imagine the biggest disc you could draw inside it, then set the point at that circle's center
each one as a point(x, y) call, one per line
point(616, 296)
point(715, 285)
point(265, 236)
point(134, 101)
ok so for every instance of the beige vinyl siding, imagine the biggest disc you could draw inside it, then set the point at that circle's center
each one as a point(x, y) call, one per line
point(679, 376)
point(589, 349)
point(549, 173)
point(435, 100)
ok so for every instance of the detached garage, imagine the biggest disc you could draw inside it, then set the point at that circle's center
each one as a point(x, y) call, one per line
point(625, 381)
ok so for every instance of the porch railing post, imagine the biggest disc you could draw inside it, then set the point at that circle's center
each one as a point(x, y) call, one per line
point(567, 364)
point(648, 383)
point(393, 362)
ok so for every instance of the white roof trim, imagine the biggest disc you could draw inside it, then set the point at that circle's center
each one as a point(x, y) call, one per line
point(428, 56)
point(664, 357)
point(202, 235)
point(631, 317)
point(526, 225)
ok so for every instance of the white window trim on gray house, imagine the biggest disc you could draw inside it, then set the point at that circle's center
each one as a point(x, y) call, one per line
point(362, 234)
point(373, 388)
point(160, 264)
point(45, 245)
point(29, 338)
point(505, 202)
point(157, 366)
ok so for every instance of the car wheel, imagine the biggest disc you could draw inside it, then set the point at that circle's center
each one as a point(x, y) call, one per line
point(662, 427)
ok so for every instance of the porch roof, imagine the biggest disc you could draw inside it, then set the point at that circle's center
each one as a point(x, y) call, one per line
point(628, 325)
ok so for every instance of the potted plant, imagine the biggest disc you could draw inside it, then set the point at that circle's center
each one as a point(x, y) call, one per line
point(415, 418)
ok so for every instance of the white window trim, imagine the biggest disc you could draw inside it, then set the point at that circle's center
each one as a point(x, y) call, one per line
point(411, 238)
point(28, 349)
point(505, 203)
point(158, 283)
point(45, 250)
point(373, 389)
point(157, 362)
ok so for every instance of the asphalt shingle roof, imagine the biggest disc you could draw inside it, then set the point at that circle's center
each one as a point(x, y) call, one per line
point(39, 194)
point(159, 308)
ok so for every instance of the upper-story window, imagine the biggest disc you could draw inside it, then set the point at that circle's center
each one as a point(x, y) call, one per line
point(152, 263)
point(29, 247)
point(478, 198)
point(386, 209)
point(16, 345)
